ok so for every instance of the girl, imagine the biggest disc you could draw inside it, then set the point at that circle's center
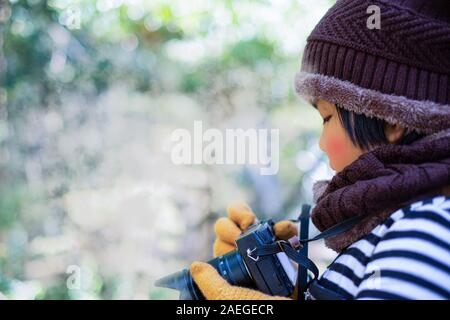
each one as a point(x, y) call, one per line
point(384, 98)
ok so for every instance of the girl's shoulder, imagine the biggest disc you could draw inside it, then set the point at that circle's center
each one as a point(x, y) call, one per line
point(430, 215)
point(406, 256)
point(421, 227)
point(411, 255)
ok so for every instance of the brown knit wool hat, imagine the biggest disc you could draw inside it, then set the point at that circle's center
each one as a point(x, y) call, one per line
point(399, 73)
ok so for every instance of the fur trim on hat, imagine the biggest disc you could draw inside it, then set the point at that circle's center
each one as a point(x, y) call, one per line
point(424, 116)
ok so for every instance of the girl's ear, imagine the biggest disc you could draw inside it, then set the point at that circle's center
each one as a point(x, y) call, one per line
point(393, 132)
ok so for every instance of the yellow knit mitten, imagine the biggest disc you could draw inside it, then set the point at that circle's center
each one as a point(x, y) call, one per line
point(214, 287)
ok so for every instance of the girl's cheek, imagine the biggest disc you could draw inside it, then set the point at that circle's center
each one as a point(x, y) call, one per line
point(341, 152)
point(336, 147)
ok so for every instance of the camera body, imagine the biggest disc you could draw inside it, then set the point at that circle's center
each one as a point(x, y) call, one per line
point(272, 274)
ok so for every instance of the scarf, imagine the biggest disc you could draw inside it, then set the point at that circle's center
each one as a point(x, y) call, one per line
point(380, 182)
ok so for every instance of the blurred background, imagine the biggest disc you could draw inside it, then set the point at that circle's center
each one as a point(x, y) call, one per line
point(91, 206)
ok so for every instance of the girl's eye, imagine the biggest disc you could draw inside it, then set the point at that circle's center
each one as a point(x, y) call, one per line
point(326, 119)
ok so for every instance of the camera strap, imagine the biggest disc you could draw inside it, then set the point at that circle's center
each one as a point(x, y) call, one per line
point(302, 272)
point(300, 256)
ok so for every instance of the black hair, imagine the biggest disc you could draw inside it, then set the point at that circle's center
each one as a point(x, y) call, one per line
point(366, 132)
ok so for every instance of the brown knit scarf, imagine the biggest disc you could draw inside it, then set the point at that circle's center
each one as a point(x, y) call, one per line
point(380, 182)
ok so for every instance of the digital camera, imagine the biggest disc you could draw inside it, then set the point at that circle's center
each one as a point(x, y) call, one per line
point(272, 274)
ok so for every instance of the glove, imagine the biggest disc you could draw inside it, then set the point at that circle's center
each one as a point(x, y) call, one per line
point(210, 283)
point(214, 287)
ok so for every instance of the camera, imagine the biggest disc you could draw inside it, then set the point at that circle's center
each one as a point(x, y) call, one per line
point(272, 274)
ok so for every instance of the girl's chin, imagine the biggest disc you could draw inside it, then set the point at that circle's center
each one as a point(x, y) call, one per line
point(336, 168)
point(333, 165)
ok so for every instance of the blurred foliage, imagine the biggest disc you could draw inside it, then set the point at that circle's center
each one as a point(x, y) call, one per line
point(90, 91)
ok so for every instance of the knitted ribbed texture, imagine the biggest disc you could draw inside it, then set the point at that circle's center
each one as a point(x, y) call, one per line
point(409, 56)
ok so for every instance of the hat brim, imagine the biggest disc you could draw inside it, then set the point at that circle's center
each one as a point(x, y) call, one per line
point(424, 116)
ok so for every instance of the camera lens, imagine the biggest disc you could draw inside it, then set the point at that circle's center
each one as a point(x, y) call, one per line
point(183, 282)
point(230, 266)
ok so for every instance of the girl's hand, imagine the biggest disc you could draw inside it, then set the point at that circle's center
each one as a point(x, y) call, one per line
point(214, 287)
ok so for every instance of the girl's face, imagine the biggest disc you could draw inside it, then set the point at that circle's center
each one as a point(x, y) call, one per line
point(334, 140)
point(338, 146)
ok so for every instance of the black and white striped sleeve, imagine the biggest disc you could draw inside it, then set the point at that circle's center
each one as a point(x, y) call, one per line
point(412, 260)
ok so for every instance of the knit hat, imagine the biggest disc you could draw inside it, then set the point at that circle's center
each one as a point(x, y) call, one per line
point(399, 72)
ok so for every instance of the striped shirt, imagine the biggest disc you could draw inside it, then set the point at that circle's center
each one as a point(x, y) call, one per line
point(406, 257)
